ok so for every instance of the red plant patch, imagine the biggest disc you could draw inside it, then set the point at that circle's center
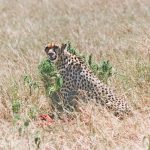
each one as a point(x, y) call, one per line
point(45, 120)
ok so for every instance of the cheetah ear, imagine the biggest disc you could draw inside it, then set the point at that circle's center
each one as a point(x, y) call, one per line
point(63, 47)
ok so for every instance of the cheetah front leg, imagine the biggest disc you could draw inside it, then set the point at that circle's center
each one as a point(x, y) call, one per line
point(64, 102)
point(68, 99)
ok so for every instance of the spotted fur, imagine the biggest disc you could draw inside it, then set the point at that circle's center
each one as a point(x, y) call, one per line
point(77, 77)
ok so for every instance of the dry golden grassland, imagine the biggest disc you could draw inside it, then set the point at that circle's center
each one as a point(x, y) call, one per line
point(114, 30)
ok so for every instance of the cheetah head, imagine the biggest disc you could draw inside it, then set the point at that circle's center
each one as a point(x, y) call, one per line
point(55, 51)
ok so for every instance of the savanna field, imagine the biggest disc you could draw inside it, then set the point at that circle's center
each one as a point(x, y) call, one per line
point(117, 31)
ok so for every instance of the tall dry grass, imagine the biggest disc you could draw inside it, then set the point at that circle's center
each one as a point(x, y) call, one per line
point(115, 30)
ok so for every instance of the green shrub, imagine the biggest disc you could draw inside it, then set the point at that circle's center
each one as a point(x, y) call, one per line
point(50, 76)
point(103, 69)
point(32, 113)
point(30, 82)
point(16, 106)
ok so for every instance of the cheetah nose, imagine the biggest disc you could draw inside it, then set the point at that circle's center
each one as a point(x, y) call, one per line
point(52, 55)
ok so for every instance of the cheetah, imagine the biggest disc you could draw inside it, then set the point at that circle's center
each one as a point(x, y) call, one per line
point(78, 77)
